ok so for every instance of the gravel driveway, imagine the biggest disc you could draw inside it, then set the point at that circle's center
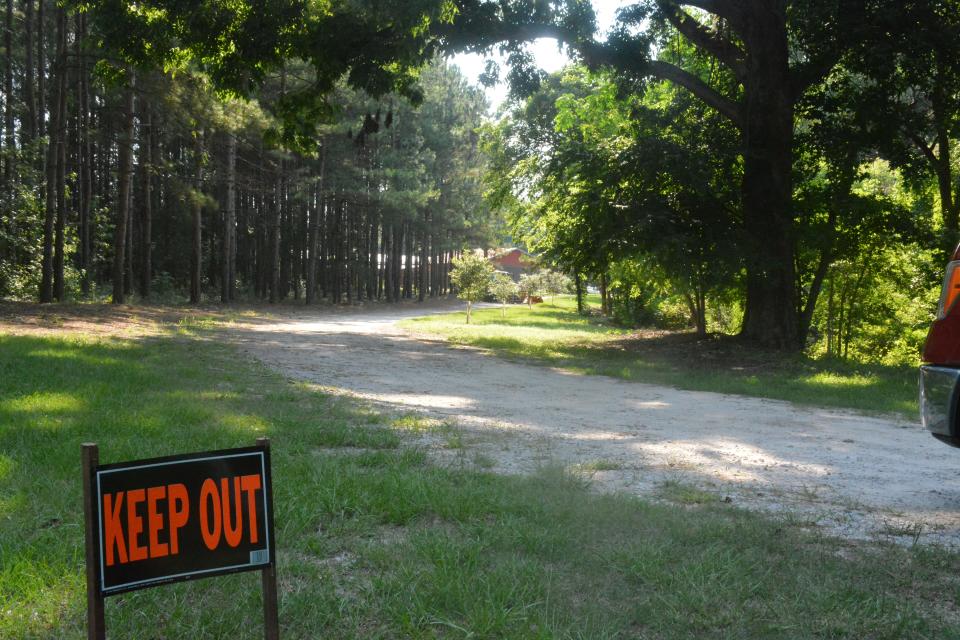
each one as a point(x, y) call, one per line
point(848, 474)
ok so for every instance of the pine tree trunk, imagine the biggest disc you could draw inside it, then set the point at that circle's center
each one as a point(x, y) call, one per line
point(424, 269)
point(125, 169)
point(60, 134)
point(196, 256)
point(41, 69)
point(313, 244)
point(84, 157)
point(8, 99)
point(146, 218)
point(228, 284)
point(275, 239)
point(285, 239)
point(408, 261)
point(47, 289)
point(30, 100)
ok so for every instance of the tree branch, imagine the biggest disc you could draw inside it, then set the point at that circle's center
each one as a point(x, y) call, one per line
point(925, 148)
point(725, 9)
point(699, 88)
point(711, 42)
point(812, 72)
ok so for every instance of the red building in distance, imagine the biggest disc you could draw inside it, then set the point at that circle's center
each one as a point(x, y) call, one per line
point(513, 261)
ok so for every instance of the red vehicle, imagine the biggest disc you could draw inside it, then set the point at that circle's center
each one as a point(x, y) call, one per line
point(940, 377)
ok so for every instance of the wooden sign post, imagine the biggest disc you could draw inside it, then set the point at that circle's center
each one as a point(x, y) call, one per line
point(163, 520)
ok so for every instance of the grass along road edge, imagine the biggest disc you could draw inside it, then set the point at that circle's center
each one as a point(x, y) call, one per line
point(553, 334)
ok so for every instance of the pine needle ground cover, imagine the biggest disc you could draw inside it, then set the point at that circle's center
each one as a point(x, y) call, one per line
point(553, 333)
point(376, 541)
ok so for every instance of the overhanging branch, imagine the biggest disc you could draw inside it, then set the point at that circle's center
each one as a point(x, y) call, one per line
point(713, 43)
point(699, 88)
point(725, 9)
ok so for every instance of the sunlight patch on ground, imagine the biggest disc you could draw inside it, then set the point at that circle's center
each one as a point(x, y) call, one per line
point(243, 422)
point(729, 460)
point(652, 404)
point(428, 400)
point(849, 381)
point(43, 402)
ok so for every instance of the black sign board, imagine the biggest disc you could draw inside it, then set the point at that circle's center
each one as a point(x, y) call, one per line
point(182, 517)
point(161, 520)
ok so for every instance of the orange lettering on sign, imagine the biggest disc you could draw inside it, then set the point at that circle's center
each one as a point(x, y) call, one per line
point(209, 494)
point(233, 532)
point(135, 525)
point(155, 522)
point(112, 529)
point(251, 484)
point(178, 505)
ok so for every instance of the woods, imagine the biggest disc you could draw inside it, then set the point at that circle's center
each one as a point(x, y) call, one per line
point(135, 184)
point(702, 152)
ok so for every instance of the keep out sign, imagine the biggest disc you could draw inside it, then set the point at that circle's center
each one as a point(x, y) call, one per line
point(182, 517)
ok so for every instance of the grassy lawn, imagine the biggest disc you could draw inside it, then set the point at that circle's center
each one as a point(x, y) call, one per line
point(375, 541)
point(552, 333)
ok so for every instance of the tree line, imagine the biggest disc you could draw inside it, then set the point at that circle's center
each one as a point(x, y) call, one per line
point(123, 180)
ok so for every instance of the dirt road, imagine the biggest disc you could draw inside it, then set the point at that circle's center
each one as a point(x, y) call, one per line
point(856, 476)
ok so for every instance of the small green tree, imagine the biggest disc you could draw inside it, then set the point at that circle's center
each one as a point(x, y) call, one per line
point(531, 284)
point(555, 283)
point(471, 275)
point(503, 288)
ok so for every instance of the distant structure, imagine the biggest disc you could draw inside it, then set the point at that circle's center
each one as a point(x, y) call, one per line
point(513, 261)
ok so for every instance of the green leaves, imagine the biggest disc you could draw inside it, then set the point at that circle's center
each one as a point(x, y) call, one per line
point(471, 274)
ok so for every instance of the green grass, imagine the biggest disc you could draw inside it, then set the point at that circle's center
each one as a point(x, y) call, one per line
point(553, 333)
point(374, 541)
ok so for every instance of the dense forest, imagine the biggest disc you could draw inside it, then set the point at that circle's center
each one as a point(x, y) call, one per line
point(120, 182)
point(783, 170)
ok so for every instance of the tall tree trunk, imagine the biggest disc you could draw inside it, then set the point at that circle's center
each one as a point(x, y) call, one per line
point(286, 214)
point(30, 114)
point(275, 238)
point(196, 255)
point(84, 156)
point(130, 248)
point(47, 278)
point(423, 271)
point(770, 316)
point(49, 220)
point(146, 213)
point(59, 134)
point(227, 286)
point(314, 234)
point(125, 169)
point(41, 69)
point(8, 98)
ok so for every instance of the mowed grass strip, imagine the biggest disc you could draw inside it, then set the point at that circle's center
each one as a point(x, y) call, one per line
point(375, 541)
point(553, 333)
